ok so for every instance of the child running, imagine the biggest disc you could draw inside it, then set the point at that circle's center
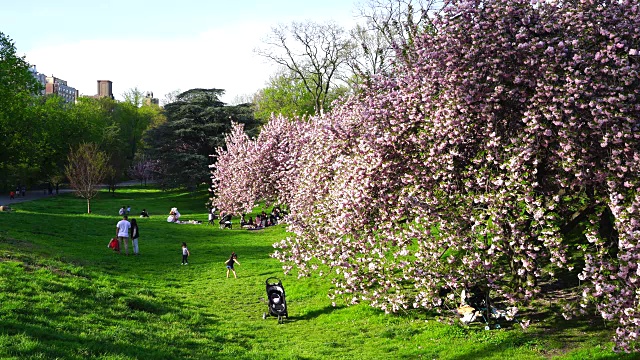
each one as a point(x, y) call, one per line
point(232, 259)
point(185, 253)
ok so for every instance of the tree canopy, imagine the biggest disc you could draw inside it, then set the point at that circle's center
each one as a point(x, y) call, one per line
point(38, 130)
point(17, 88)
point(197, 122)
point(315, 53)
point(285, 94)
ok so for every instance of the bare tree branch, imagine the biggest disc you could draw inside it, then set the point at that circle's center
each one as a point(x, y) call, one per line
point(87, 167)
point(391, 26)
point(314, 52)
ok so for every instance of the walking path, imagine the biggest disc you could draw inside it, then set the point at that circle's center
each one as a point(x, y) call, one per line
point(40, 194)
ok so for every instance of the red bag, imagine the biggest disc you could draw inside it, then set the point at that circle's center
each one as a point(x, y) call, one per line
point(114, 244)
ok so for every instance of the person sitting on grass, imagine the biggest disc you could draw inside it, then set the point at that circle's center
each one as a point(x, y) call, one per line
point(258, 223)
point(174, 215)
point(144, 213)
point(249, 224)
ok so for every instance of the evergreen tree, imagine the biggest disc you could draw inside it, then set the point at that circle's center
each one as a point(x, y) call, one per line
point(196, 125)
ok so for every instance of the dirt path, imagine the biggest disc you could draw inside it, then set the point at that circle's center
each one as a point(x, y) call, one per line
point(40, 194)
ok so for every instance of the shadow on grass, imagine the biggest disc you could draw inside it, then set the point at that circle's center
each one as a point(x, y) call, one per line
point(315, 313)
point(129, 327)
point(567, 335)
point(37, 341)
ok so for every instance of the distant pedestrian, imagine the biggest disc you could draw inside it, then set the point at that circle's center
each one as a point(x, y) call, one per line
point(23, 191)
point(134, 236)
point(233, 259)
point(12, 195)
point(122, 232)
point(185, 254)
point(211, 210)
point(122, 211)
point(128, 209)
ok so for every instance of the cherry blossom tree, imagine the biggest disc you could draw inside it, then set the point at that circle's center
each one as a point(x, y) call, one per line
point(142, 169)
point(503, 155)
point(233, 173)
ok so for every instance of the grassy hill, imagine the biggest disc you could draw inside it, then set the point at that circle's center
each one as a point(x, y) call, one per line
point(65, 295)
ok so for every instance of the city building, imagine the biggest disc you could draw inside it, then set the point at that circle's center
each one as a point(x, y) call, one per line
point(54, 85)
point(149, 99)
point(41, 78)
point(105, 89)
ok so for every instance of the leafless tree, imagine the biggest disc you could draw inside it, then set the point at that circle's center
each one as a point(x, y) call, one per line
point(372, 54)
point(399, 20)
point(171, 97)
point(86, 168)
point(314, 52)
point(390, 26)
point(242, 99)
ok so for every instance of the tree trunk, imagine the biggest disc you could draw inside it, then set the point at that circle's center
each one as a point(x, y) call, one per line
point(88, 206)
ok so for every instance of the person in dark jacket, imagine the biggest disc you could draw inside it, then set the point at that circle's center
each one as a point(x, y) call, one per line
point(134, 236)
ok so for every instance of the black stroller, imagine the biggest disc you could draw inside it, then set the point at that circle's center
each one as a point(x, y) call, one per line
point(225, 222)
point(277, 303)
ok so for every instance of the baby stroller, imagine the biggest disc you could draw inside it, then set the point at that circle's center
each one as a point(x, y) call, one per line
point(479, 304)
point(277, 303)
point(225, 222)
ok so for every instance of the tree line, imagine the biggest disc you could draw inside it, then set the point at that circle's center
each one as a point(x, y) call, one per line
point(43, 138)
point(38, 131)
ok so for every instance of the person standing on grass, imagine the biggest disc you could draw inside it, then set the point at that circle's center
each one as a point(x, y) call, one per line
point(134, 236)
point(233, 259)
point(185, 253)
point(122, 232)
point(211, 210)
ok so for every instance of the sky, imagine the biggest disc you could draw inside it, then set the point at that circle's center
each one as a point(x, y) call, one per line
point(159, 46)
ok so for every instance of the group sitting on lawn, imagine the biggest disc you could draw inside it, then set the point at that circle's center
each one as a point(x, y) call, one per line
point(262, 220)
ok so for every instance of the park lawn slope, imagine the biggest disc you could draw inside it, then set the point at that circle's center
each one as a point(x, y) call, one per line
point(63, 294)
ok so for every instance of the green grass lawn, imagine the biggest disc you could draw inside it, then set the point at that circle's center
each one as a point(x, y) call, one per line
point(64, 295)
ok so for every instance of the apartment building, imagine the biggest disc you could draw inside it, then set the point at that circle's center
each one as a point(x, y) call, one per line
point(41, 78)
point(54, 85)
point(59, 87)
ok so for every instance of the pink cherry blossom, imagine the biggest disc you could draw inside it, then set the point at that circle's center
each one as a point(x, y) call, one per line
point(507, 123)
